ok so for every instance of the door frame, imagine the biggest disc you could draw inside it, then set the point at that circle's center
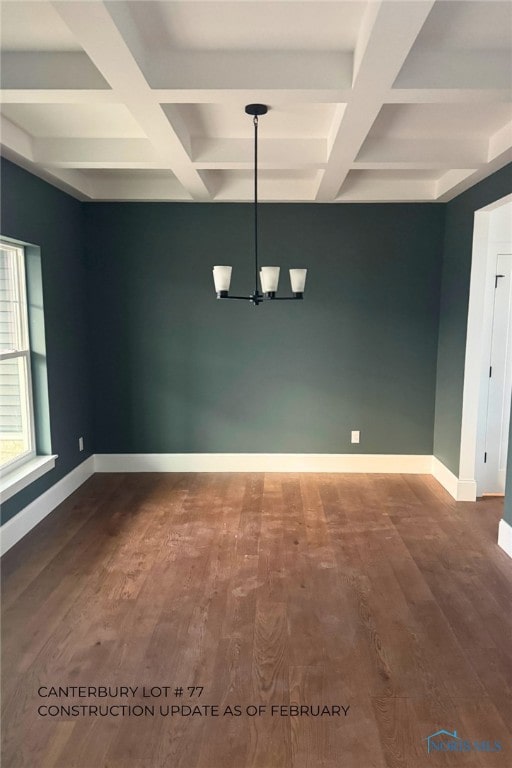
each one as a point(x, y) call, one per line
point(483, 481)
point(478, 339)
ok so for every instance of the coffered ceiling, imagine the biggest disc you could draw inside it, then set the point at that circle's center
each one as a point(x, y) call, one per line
point(390, 100)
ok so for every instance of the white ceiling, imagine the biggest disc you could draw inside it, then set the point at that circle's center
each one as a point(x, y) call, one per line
point(370, 100)
point(34, 26)
point(245, 26)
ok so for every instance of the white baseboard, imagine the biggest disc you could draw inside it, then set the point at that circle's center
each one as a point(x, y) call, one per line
point(19, 525)
point(505, 537)
point(262, 462)
point(461, 490)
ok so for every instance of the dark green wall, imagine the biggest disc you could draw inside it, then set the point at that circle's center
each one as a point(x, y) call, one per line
point(35, 212)
point(174, 370)
point(458, 245)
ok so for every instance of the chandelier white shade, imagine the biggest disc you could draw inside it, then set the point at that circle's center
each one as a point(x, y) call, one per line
point(222, 278)
point(269, 276)
point(298, 280)
point(269, 279)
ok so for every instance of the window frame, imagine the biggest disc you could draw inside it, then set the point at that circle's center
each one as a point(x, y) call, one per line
point(24, 353)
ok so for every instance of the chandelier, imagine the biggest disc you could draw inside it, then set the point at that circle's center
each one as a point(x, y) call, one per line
point(269, 276)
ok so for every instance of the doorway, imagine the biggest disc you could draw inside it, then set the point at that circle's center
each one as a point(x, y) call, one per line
point(492, 452)
point(488, 365)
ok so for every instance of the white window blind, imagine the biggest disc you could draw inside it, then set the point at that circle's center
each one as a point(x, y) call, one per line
point(17, 443)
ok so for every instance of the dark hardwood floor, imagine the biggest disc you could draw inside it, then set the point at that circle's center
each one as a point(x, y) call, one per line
point(373, 592)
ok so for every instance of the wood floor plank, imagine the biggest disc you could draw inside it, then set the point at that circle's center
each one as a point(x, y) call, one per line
point(400, 735)
point(269, 741)
point(378, 592)
point(46, 542)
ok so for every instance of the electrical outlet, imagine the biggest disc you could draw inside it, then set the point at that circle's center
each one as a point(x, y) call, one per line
point(80, 443)
point(354, 436)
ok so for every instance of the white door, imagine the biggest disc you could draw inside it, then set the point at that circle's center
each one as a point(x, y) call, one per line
point(500, 381)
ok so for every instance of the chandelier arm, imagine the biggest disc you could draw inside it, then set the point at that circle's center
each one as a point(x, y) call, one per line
point(261, 297)
point(238, 298)
point(299, 297)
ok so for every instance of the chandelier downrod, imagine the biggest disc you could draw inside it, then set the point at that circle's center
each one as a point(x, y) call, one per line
point(255, 121)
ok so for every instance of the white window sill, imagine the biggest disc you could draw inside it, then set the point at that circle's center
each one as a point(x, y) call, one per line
point(19, 478)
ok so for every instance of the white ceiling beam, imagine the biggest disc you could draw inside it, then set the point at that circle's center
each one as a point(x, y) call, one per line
point(272, 153)
point(153, 189)
point(70, 181)
point(240, 187)
point(364, 38)
point(175, 118)
point(403, 193)
point(46, 69)
point(448, 96)
point(335, 127)
point(499, 154)
point(413, 165)
point(53, 95)
point(17, 140)
point(299, 95)
point(96, 153)
point(97, 33)
point(57, 96)
point(19, 146)
point(454, 182)
point(384, 190)
point(450, 180)
point(378, 64)
point(500, 142)
point(257, 96)
point(443, 153)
